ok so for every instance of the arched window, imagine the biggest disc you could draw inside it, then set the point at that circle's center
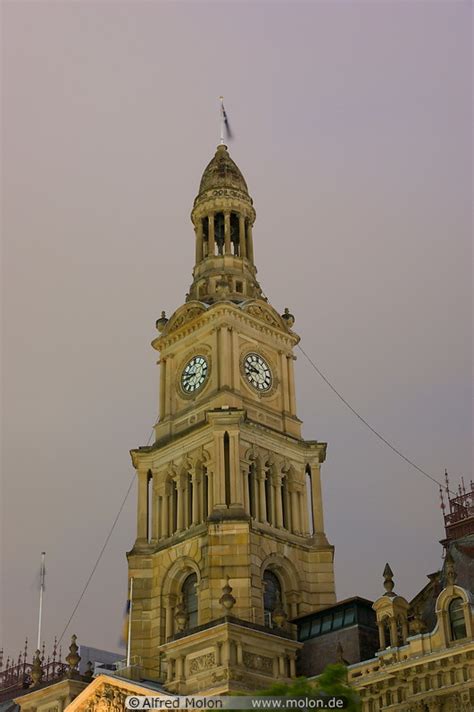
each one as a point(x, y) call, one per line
point(190, 600)
point(456, 619)
point(271, 595)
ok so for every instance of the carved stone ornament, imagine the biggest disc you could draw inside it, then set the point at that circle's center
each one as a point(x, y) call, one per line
point(36, 670)
point(107, 699)
point(261, 313)
point(203, 662)
point(177, 321)
point(220, 676)
point(227, 600)
point(260, 663)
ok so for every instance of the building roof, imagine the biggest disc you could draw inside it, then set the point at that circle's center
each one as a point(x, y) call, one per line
point(358, 600)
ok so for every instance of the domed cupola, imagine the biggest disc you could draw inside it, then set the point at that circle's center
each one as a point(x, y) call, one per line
point(222, 172)
point(223, 216)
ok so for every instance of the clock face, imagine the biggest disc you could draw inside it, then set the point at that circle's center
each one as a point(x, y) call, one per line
point(194, 374)
point(258, 372)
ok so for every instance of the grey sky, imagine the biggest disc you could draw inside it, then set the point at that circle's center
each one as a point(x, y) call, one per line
point(352, 124)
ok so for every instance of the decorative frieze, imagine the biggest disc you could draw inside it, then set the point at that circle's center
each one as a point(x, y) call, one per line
point(202, 662)
point(259, 663)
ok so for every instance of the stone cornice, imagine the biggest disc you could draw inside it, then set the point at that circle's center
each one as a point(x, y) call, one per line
point(225, 309)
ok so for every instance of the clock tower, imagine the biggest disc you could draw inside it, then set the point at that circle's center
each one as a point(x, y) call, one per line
point(230, 536)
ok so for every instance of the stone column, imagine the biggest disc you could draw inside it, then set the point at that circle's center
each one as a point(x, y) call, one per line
point(225, 653)
point(225, 356)
point(199, 240)
point(219, 471)
point(291, 384)
point(281, 666)
point(162, 388)
point(196, 513)
point(277, 489)
point(173, 506)
point(245, 485)
point(284, 385)
point(164, 524)
point(157, 513)
point(181, 506)
point(262, 500)
point(292, 666)
point(295, 512)
point(303, 512)
point(383, 642)
point(242, 243)
point(169, 602)
point(142, 505)
point(286, 500)
point(234, 337)
point(393, 633)
point(249, 241)
point(212, 241)
point(168, 387)
point(210, 490)
point(271, 503)
point(169, 669)
point(255, 492)
point(180, 667)
point(317, 498)
point(236, 482)
point(404, 630)
point(227, 246)
point(240, 656)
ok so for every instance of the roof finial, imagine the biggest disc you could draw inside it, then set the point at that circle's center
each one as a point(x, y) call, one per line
point(388, 580)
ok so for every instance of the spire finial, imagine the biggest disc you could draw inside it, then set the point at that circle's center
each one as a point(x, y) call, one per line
point(73, 658)
point(388, 580)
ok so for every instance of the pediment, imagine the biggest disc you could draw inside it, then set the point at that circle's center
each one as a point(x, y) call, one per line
point(266, 313)
point(108, 693)
point(184, 314)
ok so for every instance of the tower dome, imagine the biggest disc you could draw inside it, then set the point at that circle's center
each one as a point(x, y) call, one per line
point(222, 172)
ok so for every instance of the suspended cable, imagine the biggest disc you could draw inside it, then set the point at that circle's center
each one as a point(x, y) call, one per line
point(363, 420)
point(101, 551)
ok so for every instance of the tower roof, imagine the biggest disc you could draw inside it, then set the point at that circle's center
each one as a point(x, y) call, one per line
point(222, 172)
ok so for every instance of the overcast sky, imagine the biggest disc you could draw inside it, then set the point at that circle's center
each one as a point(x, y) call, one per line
point(352, 127)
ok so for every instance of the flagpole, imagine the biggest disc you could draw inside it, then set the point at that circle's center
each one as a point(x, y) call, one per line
point(222, 121)
point(129, 637)
point(40, 614)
